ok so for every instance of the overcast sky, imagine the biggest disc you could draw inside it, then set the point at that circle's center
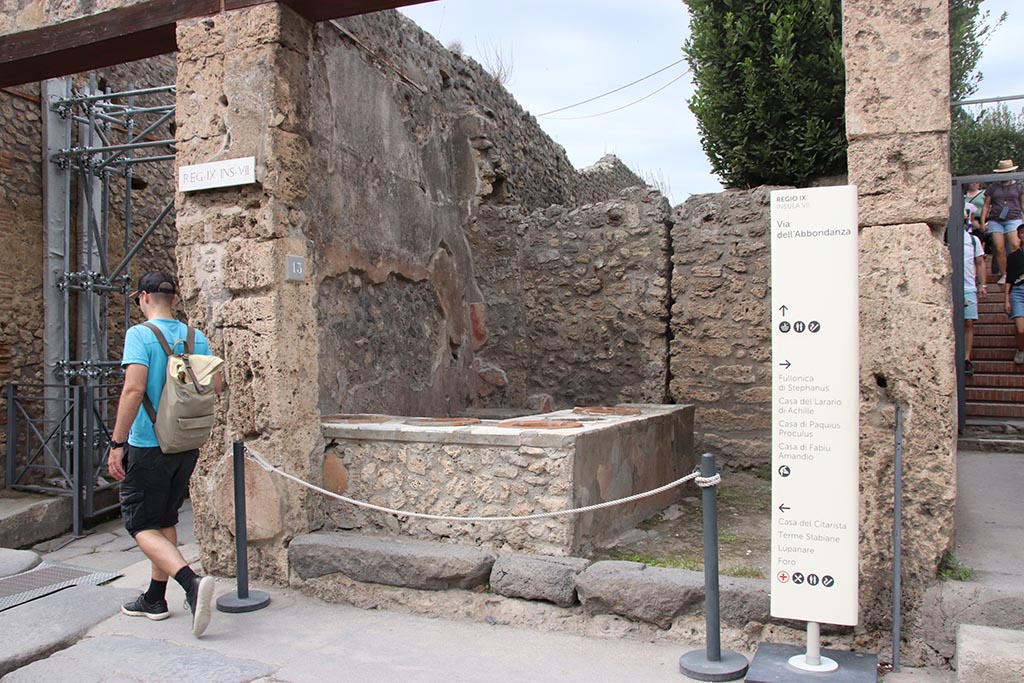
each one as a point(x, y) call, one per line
point(565, 51)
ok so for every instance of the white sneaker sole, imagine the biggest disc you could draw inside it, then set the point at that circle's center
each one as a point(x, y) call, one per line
point(152, 617)
point(204, 606)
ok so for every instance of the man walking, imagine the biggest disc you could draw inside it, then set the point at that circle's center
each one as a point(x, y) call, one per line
point(1013, 299)
point(155, 484)
point(974, 287)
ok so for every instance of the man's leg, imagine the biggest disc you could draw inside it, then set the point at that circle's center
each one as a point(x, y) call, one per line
point(968, 338)
point(999, 242)
point(161, 548)
point(1019, 356)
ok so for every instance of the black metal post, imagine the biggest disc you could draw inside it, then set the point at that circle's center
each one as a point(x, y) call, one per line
point(242, 600)
point(77, 459)
point(712, 664)
point(12, 432)
point(897, 540)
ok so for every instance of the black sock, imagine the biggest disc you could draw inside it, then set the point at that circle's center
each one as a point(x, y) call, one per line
point(157, 591)
point(184, 577)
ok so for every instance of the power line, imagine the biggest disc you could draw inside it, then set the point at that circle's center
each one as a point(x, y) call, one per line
point(612, 111)
point(611, 92)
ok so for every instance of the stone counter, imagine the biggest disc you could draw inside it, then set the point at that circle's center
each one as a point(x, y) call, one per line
point(540, 463)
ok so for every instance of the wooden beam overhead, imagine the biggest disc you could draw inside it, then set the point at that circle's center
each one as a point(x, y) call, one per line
point(145, 29)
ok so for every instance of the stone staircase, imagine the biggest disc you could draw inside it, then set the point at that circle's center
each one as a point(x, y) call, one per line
point(995, 394)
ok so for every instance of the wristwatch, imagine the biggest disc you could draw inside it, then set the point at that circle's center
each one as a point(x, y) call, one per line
point(118, 444)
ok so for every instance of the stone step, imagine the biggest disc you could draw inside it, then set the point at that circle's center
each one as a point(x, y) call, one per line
point(986, 380)
point(985, 654)
point(653, 595)
point(997, 395)
point(28, 518)
point(1005, 342)
point(991, 317)
point(390, 560)
point(996, 354)
point(997, 367)
point(990, 444)
point(978, 409)
point(982, 426)
point(994, 328)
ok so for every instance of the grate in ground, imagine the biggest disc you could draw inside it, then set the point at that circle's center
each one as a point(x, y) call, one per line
point(47, 578)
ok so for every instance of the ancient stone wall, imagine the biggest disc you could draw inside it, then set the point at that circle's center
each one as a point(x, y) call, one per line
point(21, 245)
point(604, 179)
point(405, 300)
point(721, 341)
point(577, 301)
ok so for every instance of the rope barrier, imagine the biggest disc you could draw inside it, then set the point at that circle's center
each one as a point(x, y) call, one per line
point(703, 482)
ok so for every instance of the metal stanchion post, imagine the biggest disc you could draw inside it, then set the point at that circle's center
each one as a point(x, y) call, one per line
point(712, 663)
point(242, 600)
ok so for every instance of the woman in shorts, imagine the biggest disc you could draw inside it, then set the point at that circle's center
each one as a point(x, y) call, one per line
point(1001, 214)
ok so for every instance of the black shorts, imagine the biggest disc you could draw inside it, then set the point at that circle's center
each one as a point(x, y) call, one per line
point(154, 487)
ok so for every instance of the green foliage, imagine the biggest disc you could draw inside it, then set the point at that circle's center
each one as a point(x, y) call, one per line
point(771, 84)
point(969, 30)
point(672, 562)
point(978, 142)
point(689, 564)
point(743, 572)
point(950, 569)
point(770, 88)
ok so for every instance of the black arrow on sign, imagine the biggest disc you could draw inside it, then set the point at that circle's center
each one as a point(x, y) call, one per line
point(783, 308)
point(783, 507)
point(785, 364)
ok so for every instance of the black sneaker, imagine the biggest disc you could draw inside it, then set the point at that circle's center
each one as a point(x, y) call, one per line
point(199, 601)
point(140, 607)
point(969, 368)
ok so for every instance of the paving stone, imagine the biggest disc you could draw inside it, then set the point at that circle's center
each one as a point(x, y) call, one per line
point(37, 629)
point(537, 577)
point(17, 561)
point(658, 595)
point(989, 655)
point(155, 661)
point(106, 561)
point(390, 561)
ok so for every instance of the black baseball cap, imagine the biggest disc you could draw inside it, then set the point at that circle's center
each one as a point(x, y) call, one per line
point(156, 282)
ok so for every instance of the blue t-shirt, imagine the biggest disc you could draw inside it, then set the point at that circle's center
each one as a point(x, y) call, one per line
point(141, 347)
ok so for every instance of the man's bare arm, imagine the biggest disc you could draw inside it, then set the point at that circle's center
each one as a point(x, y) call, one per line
point(132, 392)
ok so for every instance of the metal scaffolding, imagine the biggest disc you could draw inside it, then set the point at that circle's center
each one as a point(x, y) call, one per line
point(93, 143)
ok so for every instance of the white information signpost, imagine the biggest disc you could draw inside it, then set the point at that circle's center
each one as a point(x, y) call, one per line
point(815, 411)
point(226, 173)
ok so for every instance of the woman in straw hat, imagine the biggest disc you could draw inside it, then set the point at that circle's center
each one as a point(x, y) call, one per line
point(1001, 214)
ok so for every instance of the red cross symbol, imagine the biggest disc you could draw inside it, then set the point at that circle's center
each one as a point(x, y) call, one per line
point(783, 577)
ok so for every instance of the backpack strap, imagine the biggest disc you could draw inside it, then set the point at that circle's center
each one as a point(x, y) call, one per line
point(190, 340)
point(161, 338)
point(146, 403)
